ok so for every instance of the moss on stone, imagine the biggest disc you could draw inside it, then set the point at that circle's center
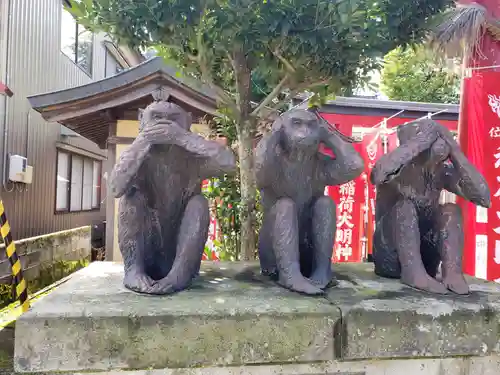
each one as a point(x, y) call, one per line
point(5, 361)
point(366, 292)
point(54, 272)
point(49, 274)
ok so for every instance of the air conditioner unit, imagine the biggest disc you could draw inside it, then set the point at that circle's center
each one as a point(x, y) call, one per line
point(19, 170)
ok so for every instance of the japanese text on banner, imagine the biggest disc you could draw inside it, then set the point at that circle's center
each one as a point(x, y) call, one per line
point(484, 111)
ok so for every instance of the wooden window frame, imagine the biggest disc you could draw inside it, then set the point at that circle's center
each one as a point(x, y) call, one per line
point(110, 57)
point(74, 60)
point(68, 210)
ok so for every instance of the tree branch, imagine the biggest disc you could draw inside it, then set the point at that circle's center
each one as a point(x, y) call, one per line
point(289, 67)
point(273, 94)
point(205, 74)
point(295, 91)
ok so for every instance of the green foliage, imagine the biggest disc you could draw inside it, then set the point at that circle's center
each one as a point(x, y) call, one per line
point(258, 50)
point(224, 193)
point(413, 74)
point(310, 40)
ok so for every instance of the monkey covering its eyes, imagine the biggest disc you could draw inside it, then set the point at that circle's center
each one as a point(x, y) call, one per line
point(414, 233)
point(163, 218)
point(297, 235)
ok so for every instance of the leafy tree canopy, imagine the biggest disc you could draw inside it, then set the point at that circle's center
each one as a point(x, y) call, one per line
point(414, 74)
point(258, 50)
point(296, 42)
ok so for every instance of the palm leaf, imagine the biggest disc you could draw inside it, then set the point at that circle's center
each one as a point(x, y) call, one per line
point(458, 35)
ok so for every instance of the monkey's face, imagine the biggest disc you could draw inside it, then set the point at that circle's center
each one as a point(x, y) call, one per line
point(301, 130)
point(165, 113)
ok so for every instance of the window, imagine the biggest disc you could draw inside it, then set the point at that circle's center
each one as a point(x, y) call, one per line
point(112, 65)
point(78, 183)
point(76, 42)
point(62, 185)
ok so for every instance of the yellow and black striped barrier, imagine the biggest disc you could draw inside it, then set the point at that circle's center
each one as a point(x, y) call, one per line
point(15, 262)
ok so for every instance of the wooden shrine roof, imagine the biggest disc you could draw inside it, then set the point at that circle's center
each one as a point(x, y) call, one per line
point(90, 109)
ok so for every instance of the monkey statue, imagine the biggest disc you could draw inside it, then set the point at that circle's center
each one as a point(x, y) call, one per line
point(163, 217)
point(415, 233)
point(298, 230)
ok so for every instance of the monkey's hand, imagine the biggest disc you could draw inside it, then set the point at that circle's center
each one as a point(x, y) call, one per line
point(385, 170)
point(347, 164)
point(390, 165)
point(163, 133)
point(463, 178)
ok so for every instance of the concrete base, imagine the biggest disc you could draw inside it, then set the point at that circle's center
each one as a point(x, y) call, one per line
point(448, 366)
point(233, 317)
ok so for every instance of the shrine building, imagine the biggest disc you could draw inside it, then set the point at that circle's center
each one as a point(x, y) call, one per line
point(106, 112)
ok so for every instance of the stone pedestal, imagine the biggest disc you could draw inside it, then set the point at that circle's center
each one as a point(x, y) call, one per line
point(231, 317)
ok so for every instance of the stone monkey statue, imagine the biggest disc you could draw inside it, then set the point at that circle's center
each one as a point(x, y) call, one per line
point(163, 218)
point(298, 232)
point(414, 233)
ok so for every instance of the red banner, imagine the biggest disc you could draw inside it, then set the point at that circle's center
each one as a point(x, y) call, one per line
point(482, 234)
point(349, 198)
point(371, 151)
point(374, 145)
point(473, 130)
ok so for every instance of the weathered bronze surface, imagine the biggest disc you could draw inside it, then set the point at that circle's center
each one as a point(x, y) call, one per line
point(297, 235)
point(414, 232)
point(163, 218)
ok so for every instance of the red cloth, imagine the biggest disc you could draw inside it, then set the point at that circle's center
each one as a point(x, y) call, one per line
point(482, 228)
point(473, 130)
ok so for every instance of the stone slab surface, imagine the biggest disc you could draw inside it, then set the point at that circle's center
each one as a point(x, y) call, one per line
point(228, 317)
point(381, 318)
point(231, 316)
point(489, 365)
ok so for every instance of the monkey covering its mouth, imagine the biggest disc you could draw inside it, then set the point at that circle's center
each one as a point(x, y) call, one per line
point(163, 217)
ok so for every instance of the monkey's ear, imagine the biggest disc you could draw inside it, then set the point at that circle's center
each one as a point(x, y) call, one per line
point(140, 113)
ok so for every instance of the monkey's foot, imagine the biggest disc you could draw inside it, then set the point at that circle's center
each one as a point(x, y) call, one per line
point(456, 283)
point(163, 289)
point(323, 280)
point(172, 283)
point(424, 282)
point(138, 282)
point(301, 285)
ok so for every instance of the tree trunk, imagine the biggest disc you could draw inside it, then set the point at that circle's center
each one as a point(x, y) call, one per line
point(246, 127)
point(248, 191)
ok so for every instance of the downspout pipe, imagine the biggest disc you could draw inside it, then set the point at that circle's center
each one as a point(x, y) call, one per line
point(4, 56)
